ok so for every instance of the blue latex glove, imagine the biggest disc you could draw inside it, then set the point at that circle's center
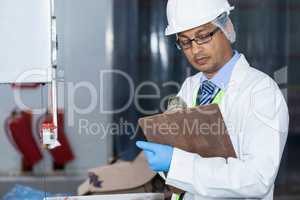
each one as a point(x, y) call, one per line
point(158, 156)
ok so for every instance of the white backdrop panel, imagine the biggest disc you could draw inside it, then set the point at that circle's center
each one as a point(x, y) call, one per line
point(25, 40)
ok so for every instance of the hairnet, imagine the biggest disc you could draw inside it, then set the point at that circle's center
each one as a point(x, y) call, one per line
point(225, 24)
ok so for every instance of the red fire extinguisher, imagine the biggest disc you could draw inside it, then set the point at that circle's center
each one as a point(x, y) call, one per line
point(25, 85)
point(63, 154)
point(18, 128)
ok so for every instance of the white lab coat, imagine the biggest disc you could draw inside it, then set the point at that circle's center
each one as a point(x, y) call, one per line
point(256, 117)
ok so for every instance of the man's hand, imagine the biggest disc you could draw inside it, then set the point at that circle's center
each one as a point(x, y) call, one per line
point(158, 156)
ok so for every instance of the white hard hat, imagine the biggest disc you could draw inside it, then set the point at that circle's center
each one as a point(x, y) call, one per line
point(188, 14)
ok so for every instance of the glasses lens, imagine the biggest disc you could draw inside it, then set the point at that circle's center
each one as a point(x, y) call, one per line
point(185, 44)
point(202, 40)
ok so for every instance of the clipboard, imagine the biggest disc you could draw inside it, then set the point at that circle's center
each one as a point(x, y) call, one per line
point(198, 130)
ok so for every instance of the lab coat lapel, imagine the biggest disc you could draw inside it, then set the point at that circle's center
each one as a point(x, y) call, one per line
point(239, 74)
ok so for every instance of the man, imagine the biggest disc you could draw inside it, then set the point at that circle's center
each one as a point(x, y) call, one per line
point(251, 103)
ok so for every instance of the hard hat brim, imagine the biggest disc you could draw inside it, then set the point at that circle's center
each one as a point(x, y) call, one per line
point(172, 30)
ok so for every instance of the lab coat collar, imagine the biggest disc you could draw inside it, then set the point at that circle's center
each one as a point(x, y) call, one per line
point(239, 73)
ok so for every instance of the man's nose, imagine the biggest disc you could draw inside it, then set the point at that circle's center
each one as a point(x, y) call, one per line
point(196, 48)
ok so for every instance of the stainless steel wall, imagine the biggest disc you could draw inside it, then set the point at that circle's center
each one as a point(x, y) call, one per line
point(143, 52)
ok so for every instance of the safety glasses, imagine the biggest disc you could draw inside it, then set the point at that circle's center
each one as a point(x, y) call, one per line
point(187, 43)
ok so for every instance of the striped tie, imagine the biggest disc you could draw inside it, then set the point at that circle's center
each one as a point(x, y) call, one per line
point(207, 93)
